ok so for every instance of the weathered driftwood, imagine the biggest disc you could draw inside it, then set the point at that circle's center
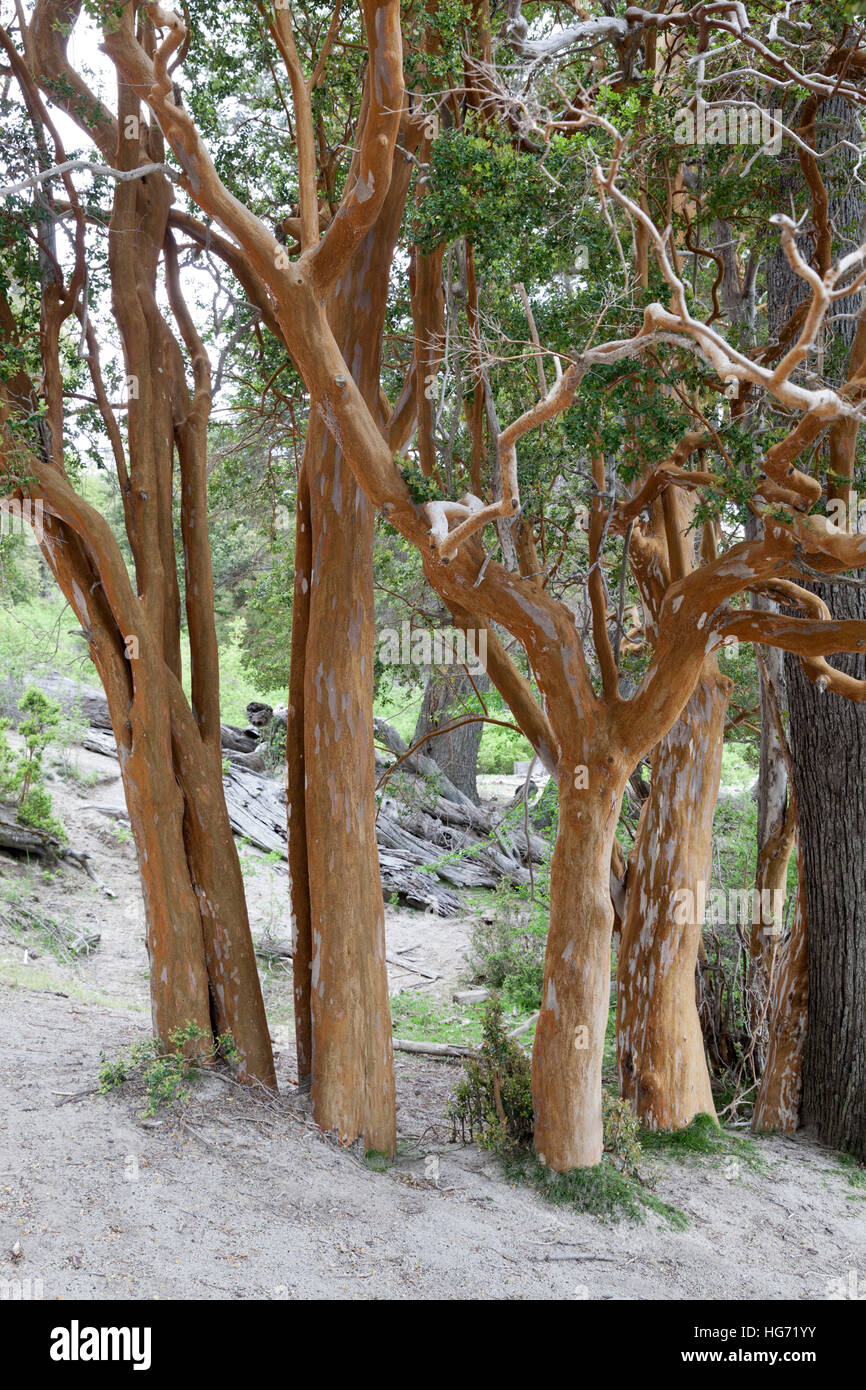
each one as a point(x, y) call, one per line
point(239, 745)
point(238, 740)
point(425, 767)
point(432, 1049)
point(441, 842)
point(260, 716)
point(97, 741)
point(253, 762)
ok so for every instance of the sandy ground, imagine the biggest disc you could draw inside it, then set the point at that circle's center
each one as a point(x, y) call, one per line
point(237, 1195)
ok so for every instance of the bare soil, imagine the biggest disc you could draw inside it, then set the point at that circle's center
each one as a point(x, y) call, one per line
point(235, 1194)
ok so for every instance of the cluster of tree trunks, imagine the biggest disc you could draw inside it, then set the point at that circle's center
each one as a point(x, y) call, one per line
point(328, 309)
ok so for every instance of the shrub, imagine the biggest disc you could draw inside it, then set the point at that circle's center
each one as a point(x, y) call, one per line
point(493, 1100)
point(21, 773)
point(507, 947)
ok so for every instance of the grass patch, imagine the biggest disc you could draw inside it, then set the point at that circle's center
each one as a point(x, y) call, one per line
point(604, 1191)
point(422, 1019)
point(42, 980)
point(702, 1138)
point(854, 1170)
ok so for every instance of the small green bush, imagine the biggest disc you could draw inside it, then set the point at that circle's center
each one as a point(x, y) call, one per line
point(21, 773)
point(164, 1074)
point(493, 1100)
point(492, 1104)
point(506, 950)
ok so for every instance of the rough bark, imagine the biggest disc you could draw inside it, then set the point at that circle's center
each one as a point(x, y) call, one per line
point(299, 871)
point(457, 752)
point(828, 750)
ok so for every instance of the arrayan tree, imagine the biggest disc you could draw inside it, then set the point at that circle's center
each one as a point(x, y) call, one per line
point(203, 969)
point(591, 737)
point(587, 96)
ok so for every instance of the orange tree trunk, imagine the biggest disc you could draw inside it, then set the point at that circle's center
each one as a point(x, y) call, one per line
point(569, 1040)
point(342, 1013)
point(660, 1049)
point(202, 964)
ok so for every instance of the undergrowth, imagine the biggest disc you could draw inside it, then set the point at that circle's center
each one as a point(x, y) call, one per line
point(702, 1138)
point(492, 1104)
point(164, 1075)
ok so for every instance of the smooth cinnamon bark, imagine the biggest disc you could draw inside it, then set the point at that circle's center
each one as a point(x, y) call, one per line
point(569, 1040)
point(660, 1049)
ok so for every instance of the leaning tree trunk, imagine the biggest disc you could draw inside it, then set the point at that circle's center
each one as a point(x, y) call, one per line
point(447, 699)
point(660, 1047)
point(827, 737)
point(202, 964)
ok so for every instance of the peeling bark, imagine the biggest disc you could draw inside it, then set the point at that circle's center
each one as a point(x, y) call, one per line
point(660, 1047)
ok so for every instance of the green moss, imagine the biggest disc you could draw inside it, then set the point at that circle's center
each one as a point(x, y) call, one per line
point(377, 1162)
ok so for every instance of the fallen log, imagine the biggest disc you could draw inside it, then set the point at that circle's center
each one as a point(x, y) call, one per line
point(238, 740)
point(440, 843)
point(432, 1049)
point(23, 839)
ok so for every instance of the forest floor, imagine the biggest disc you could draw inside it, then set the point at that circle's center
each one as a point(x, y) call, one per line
point(235, 1194)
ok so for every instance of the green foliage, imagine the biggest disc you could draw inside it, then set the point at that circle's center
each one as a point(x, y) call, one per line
point(492, 1104)
point(500, 749)
point(605, 1191)
point(507, 947)
point(21, 773)
point(421, 488)
point(493, 1101)
point(377, 1162)
point(164, 1076)
point(702, 1138)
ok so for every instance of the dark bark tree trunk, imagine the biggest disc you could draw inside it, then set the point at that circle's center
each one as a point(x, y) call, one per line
point(828, 750)
point(445, 700)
